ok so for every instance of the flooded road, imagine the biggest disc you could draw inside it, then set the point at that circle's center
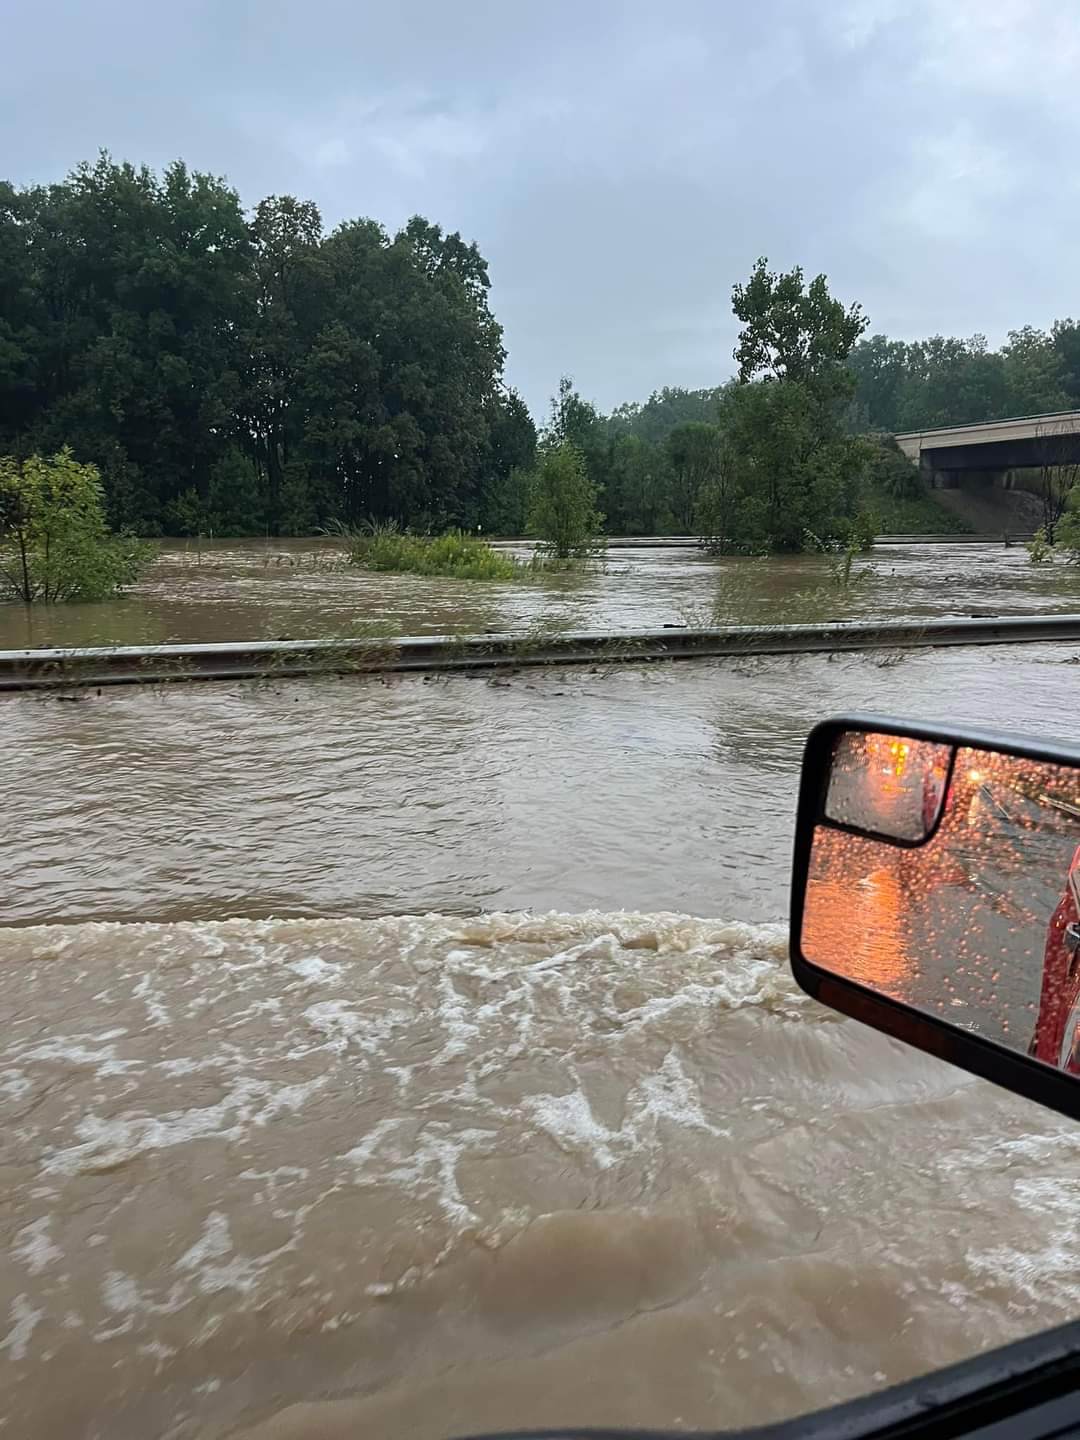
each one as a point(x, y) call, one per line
point(422, 1177)
point(281, 1162)
point(300, 589)
point(666, 787)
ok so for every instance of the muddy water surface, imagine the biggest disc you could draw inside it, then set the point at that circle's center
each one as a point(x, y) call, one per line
point(277, 1166)
point(423, 1177)
point(670, 787)
point(243, 590)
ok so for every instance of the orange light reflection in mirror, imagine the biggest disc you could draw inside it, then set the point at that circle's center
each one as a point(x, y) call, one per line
point(857, 909)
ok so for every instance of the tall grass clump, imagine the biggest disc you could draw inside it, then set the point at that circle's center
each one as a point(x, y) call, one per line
point(385, 548)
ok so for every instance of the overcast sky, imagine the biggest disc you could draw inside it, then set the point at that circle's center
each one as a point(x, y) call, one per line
point(619, 164)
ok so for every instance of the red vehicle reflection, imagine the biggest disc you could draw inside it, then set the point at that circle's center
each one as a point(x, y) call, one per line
point(1056, 1039)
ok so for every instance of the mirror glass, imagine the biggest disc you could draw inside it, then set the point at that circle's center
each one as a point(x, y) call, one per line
point(964, 902)
point(889, 785)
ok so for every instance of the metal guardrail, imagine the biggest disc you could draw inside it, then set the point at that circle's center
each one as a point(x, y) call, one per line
point(1016, 537)
point(612, 542)
point(273, 659)
point(693, 542)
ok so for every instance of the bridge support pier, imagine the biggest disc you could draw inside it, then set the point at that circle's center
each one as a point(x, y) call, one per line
point(937, 478)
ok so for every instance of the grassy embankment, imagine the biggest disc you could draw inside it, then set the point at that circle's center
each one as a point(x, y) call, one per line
point(915, 515)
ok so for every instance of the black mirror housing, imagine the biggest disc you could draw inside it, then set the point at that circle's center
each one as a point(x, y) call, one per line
point(951, 932)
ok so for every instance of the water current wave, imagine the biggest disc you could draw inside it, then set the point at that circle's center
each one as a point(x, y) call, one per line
point(419, 1176)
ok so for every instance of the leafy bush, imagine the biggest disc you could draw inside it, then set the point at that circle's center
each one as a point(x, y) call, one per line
point(461, 556)
point(54, 543)
point(890, 469)
point(1067, 531)
point(860, 531)
point(562, 511)
point(1040, 549)
point(186, 515)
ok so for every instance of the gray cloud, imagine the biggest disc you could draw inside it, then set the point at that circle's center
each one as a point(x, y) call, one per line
point(619, 166)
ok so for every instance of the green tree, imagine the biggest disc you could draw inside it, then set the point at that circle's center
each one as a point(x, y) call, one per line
point(290, 297)
point(54, 544)
point(791, 330)
point(128, 323)
point(724, 520)
point(506, 504)
point(575, 421)
point(160, 332)
point(694, 449)
point(1067, 534)
point(802, 470)
point(572, 419)
point(562, 510)
point(1032, 372)
point(949, 381)
point(1065, 336)
point(891, 470)
point(234, 503)
point(1057, 478)
point(880, 367)
point(400, 389)
point(511, 455)
point(654, 420)
point(638, 492)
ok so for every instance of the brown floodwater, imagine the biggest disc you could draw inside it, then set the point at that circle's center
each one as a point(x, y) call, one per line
point(447, 1073)
point(248, 589)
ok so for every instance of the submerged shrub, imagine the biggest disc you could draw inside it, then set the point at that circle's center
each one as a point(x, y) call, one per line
point(1040, 548)
point(54, 542)
point(455, 554)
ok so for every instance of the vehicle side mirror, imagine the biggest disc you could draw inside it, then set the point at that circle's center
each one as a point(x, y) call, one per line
point(936, 895)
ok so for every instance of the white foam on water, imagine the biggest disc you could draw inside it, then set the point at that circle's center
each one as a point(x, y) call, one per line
point(34, 1248)
point(671, 1094)
point(362, 1153)
point(72, 1050)
point(427, 1167)
point(570, 1122)
point(335, 1019)
point(120, 1293)
point(347, 1027)
point(214, 1272)
point(14, 1085)
point(454, 1013)
point(24, 1320)
point(160, 1353)
point(148, 992)
point(106, 1144)
point(315, 970)
point(214, 1242)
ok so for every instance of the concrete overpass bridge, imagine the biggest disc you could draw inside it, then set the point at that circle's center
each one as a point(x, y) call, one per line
point(963, 456)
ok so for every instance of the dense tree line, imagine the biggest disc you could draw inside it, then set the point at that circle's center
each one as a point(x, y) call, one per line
point(251, 373)
point(764, 462)
point(722, 460)
point(901, 385)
